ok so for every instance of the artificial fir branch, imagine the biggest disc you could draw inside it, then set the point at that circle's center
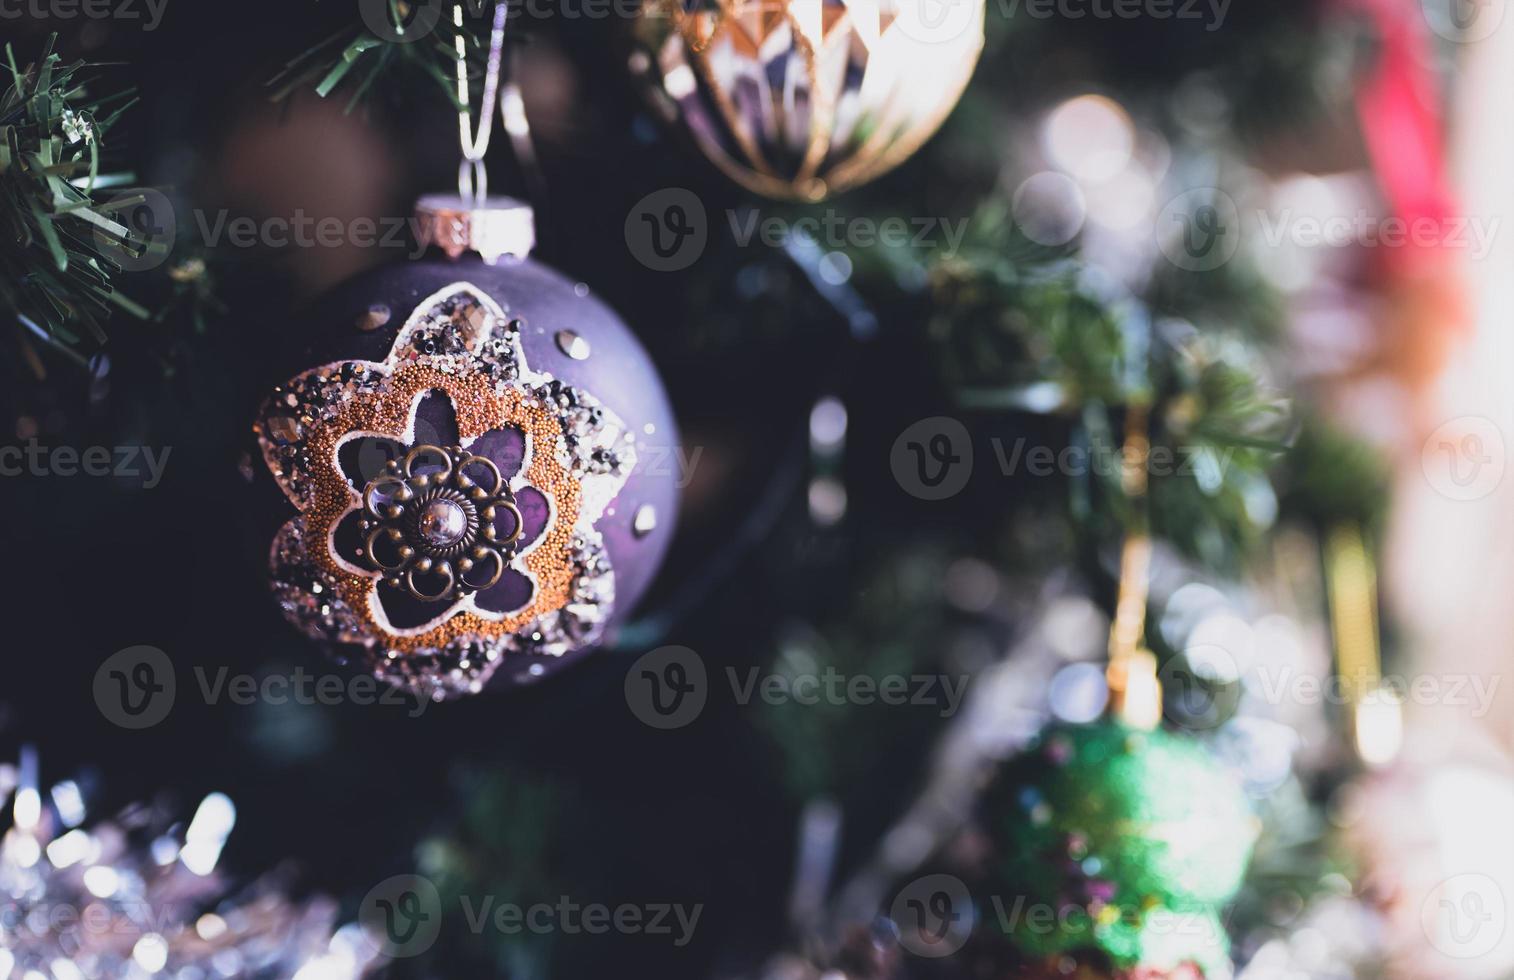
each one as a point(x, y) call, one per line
point(353, 60)
point(1018, 331)
point(57, 255)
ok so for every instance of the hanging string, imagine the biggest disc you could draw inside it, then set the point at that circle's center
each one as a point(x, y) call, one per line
point(472, 177)
point(1135, 694)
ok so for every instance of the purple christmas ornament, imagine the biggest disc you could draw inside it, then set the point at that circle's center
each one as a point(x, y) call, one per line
point(478, 473)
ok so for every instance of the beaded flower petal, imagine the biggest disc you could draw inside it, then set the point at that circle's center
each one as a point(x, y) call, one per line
point(447, 500)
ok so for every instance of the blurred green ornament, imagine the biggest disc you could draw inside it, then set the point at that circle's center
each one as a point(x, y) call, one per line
point(1120, 840)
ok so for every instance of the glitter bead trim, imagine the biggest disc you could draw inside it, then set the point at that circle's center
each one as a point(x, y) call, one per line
point(458, 342)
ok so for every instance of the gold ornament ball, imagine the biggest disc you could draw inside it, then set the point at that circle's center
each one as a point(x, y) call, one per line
point(800, 99)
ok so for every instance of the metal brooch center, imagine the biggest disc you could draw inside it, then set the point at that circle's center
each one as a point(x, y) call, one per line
point(432, 523)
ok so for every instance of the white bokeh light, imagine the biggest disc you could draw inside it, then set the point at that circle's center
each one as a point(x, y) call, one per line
point(1089, 137)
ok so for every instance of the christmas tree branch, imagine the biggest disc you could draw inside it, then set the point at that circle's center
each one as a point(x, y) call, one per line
point(357, 58)
point(60, 246)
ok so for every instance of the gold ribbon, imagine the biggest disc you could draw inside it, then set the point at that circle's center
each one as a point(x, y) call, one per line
point(1351, 581)
point(1135, 693)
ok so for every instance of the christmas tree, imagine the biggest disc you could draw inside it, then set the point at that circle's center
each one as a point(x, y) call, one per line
point(841, 489)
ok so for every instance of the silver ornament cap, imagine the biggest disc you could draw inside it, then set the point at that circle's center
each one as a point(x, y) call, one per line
point(492, 226)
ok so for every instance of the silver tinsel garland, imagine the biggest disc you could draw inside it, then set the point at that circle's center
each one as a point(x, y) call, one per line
point(140, 897)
